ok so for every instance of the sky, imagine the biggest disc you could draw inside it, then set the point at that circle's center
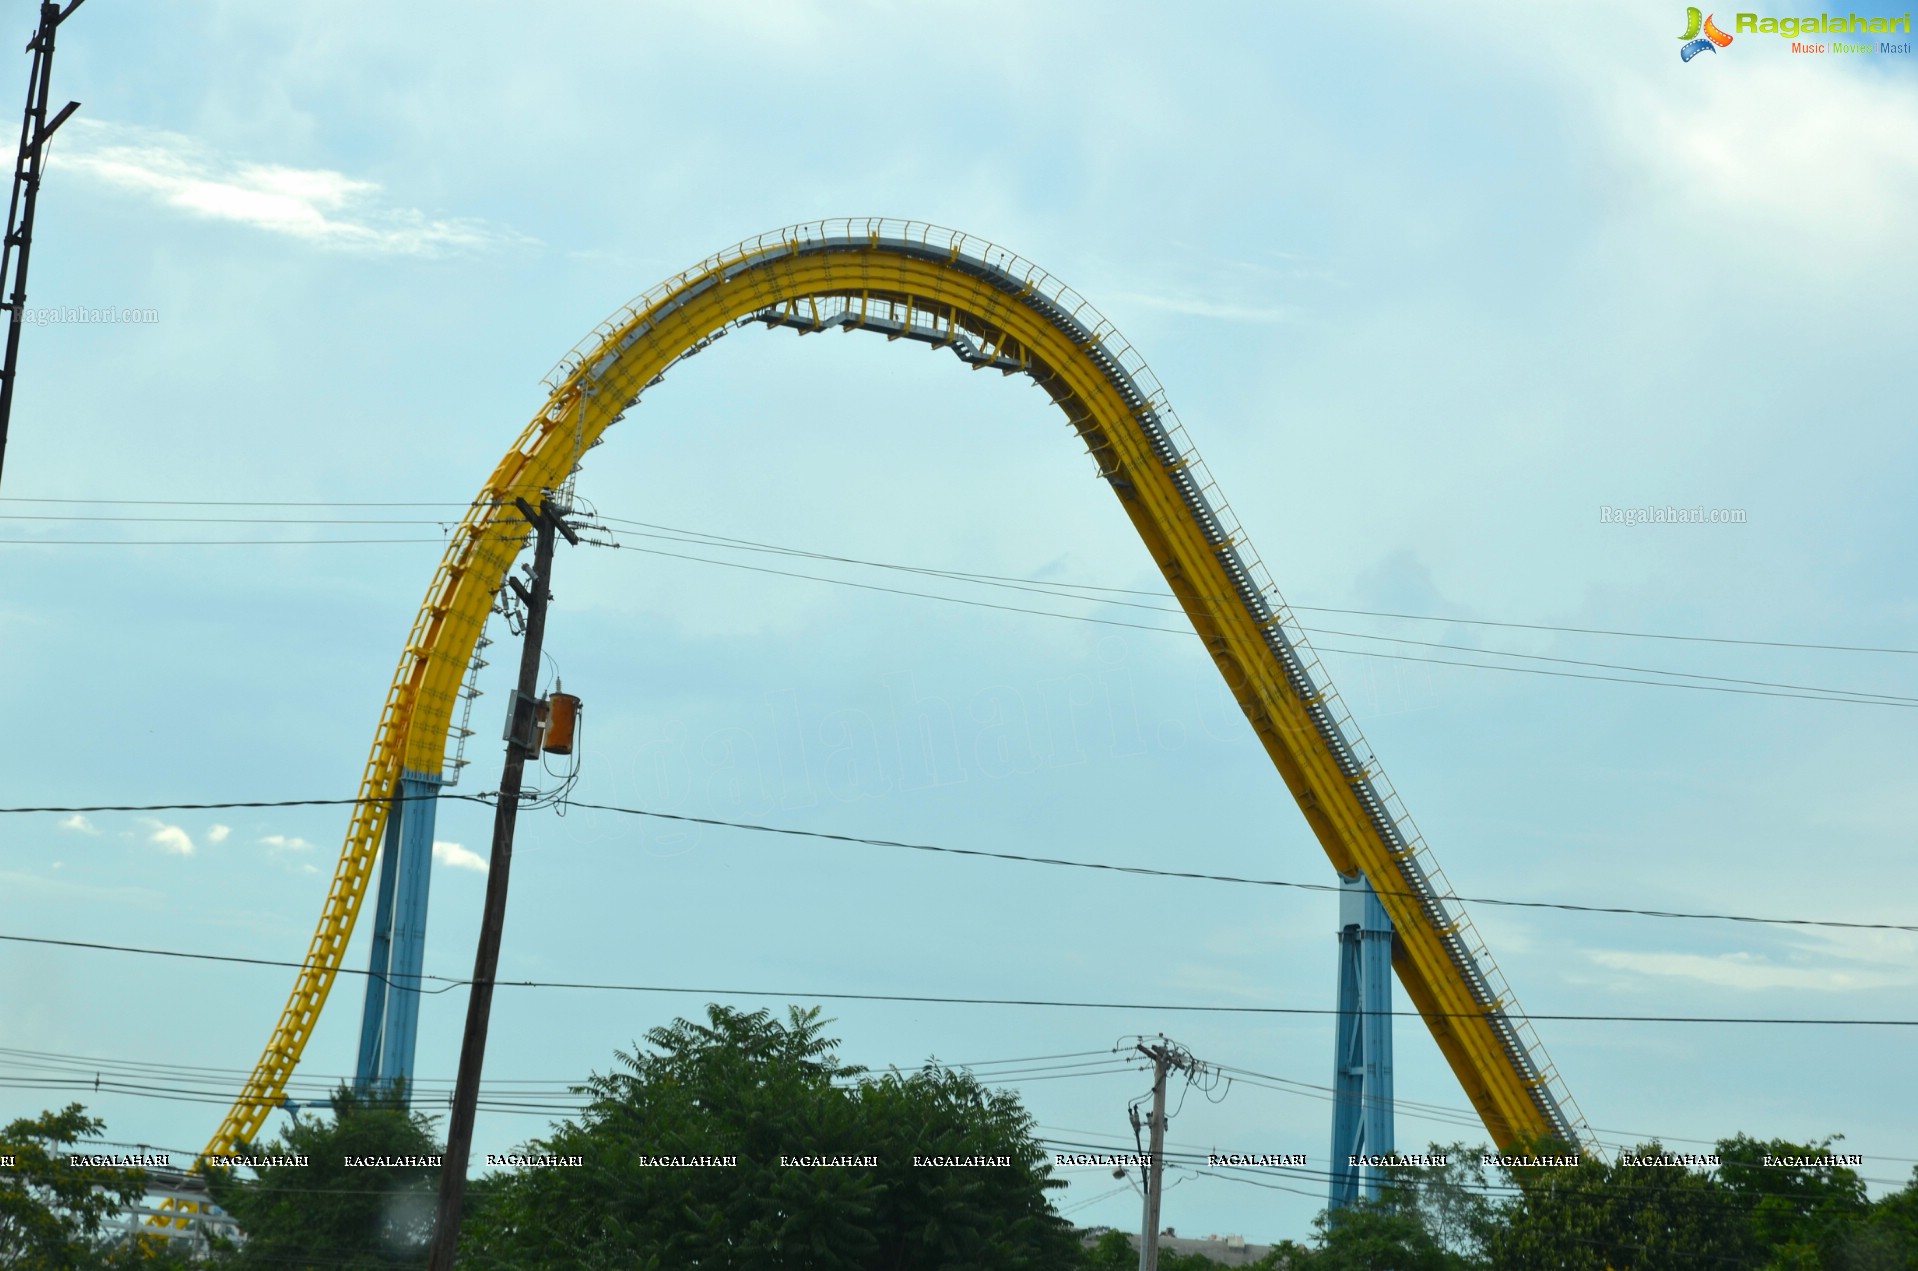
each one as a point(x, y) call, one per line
point(1440, 295)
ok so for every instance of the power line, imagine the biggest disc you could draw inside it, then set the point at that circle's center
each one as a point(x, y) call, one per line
point(1889, 698)
point(720, 540)
point(1461, 1117)
point(573, 1096)
point(247, 803)
point(247, 503)
point(1176, 1154)
point(497, 1102)
point(449, 522)
point(1606, 631)
point(1175, 1157)
point(1061, 862)
point(203, 542)
point(1814, 694)
point(1047, 588)
point(895, 591)
point(450, 982)
point(63, 1061)
point(1229, 878)
point(1680, 680)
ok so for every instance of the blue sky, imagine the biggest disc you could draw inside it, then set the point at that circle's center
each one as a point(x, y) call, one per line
point(1429, 293)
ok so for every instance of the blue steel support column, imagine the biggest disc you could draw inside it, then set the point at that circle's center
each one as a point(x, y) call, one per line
point(373, 1016)
point(1362, 1063)
point(389, 1023)
point(420, 796)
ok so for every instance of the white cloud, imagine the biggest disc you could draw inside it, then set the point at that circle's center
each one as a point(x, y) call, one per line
point(171, 837)
point(1849, 143)
point(316, 205)
point(79, 825)
point(218, 834)
point(458, 857)
point(286, 843)
point(1882, 948)
point(1200, 307)
point(1745, 971)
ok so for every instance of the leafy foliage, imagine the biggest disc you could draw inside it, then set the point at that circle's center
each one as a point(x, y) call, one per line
point(54, 1214)
point(1887, 1238)
point(1116, 1251)
point(326, 1214)
point(1365, 1236)
point(749, 1087)
point(1452, 1202)
point(1800, 1214)
point(1598, 1215)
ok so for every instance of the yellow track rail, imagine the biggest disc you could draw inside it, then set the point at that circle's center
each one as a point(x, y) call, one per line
point(995, 310)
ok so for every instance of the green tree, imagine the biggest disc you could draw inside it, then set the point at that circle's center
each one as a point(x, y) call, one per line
point(749, 1087)
point(1117, 1251)
point(1112, 1251)
point(1597, 1216)
point(1799, 1214)
point(1285, 1256)
point(325, 1213)
point(1369, 1236)
point(1450, 1201)
point(1884, 1239)
point(54, 1213)
point(1427, 1218)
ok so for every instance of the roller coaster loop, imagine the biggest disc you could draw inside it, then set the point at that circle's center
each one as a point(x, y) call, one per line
point(906, 279)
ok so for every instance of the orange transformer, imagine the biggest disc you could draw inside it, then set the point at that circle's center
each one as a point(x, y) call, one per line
point(562, 721)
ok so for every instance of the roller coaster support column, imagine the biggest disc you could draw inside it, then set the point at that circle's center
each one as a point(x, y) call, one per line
point(389, 1027)
point(1362, 1065)
point(522, 742)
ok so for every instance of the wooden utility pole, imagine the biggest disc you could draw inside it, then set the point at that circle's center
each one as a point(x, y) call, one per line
point(522, 742)
point(35, 130)
point(1161, 1057)
point(1165, 1056)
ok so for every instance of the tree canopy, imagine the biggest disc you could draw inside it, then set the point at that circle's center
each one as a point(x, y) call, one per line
point(55, 1214)
point(309, 1207)
point(745, 1142)
point(1802, 1211)
point(747, 1089)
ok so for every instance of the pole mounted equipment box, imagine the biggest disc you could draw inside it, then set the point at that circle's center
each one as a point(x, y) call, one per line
point(525, 721)
point(562, 719)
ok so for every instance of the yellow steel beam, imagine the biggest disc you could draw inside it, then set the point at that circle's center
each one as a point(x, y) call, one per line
point(782, 271)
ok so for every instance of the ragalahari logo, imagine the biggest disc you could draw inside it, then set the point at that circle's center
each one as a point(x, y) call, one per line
point(1710, 41)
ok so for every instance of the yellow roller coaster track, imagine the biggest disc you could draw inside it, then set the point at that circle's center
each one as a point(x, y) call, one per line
point(995, 310)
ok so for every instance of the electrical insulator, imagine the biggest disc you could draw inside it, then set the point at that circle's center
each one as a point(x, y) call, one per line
point(562, 719)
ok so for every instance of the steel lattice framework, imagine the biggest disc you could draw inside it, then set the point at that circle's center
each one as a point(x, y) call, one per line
point(994, 310)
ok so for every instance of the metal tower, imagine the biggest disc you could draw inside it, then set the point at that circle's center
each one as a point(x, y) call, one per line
point(35, 130)
point(389, 1028)
point(1362, 1064)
